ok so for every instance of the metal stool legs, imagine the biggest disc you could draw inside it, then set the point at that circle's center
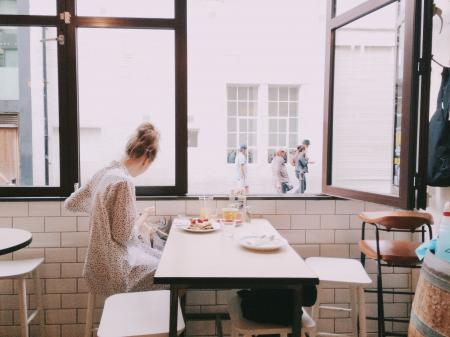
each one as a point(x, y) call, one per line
point(89, 315)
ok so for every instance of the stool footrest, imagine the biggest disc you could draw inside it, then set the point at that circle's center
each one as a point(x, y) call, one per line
point(330, 334)
point(394, 292)
point(326, 307)
point(389, 319)
point(388, 333)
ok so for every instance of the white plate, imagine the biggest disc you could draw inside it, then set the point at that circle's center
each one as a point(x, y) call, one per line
point(215, 225)
point(262, 242)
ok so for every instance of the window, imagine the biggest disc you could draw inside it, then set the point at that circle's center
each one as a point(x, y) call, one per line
point(283, 119)
point(372, 105)
point(242, 120)
point(9, 143)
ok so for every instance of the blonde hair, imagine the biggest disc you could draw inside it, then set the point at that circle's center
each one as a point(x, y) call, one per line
point(144, 142)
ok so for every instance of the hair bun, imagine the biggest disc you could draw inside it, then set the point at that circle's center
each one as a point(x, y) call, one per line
point(144, 142)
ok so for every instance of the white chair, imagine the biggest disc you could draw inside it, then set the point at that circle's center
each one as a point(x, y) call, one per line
point(142, 314)
point(337, 271)
point(19, 270)
point(243, 326)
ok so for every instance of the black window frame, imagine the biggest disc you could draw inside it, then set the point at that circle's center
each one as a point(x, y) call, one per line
point(68, 94)
point(412, 189)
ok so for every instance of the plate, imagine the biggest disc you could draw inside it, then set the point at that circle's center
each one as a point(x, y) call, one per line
point(262, 242)
point(185, 227)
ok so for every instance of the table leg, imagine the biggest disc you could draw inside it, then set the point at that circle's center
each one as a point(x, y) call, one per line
point(173, 319)
point(297, 314)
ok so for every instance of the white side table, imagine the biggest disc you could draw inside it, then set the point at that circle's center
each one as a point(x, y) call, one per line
point(12, 239)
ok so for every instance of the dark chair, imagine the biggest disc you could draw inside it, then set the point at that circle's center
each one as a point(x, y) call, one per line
point(392, 253)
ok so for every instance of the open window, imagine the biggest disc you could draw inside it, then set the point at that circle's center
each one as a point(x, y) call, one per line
point(372, 102)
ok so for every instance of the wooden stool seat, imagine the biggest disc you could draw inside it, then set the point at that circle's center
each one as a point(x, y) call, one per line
point(397, 219)
point(391, 251)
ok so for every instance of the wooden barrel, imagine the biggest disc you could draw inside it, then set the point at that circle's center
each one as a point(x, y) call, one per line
point(430, 314)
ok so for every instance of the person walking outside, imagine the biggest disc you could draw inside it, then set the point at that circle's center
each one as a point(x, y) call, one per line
point(241, 169)
point(279, 171)
point(301, 162)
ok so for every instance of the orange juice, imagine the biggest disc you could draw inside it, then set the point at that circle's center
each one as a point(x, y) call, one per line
point(229, 214)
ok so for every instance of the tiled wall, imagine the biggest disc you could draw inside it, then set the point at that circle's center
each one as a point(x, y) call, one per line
point(313, 228)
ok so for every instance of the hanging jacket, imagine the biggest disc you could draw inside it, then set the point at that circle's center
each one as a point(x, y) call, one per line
point(438, 172)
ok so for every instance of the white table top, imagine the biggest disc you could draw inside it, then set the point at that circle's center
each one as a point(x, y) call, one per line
point(12, 239)
point(195, 257)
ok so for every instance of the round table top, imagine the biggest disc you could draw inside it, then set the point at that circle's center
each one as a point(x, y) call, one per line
point(12, 239)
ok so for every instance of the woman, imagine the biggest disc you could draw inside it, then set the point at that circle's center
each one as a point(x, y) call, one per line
point(279, 172)
point(116, 260)
point(300, 161)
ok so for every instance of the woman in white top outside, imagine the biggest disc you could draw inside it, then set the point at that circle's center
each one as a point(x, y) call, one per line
point(117, 261)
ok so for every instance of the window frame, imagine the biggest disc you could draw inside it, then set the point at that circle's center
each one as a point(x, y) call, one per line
point(410, 179)
point(68, 94)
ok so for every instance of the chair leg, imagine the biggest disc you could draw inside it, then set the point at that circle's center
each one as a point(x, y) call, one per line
point(381, 327)
point(234, 332)
point(362, 313)
point(39, 304)
point(315, 310)
point(354, 307)
point(89, 315)
point(23, 307)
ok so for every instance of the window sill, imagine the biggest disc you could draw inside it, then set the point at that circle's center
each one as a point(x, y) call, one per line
point(195, 197)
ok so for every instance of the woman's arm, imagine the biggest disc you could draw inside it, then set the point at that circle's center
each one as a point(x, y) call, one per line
point(80, 200)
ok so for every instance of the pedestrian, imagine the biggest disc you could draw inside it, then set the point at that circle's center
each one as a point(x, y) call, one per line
point(279, 171)
point(301, 161)
point(241, 169)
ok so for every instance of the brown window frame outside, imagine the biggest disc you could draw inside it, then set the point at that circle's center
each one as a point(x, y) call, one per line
point(68, 94)
point(412, 187)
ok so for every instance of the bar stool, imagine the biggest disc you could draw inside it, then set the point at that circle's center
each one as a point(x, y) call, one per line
point(19, 270)
point(338, 271)
point(143, 314)
point(247, 328)
point(392, 253)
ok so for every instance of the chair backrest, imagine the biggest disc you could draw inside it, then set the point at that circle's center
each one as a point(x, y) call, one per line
point(406, 220)
point(431, 305)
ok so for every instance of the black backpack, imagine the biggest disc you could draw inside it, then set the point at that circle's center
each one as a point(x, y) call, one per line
point(438, 173)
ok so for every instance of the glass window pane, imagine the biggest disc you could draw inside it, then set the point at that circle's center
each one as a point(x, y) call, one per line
point(242, 125)
point(293, 94)
point(232, 140)
point(232, 93)
point(293, 125)
point(273, 139)
point(273, 125)
point(242, 94)
point(112, 104)
point(293, 141)
point(29, 108)
point(31, 7)
point(232, 125)
point(368, 71)
point(119, 8)
point(273, 109)
point(242, 139)
point(283, 94)
point(252, 139)
point(293, 108)
point(270, 155)
point(252, 125)
point(282, 125)
point(242, 108)
point(282, 140)
point(252, 93)
point(273, 94)
point(284, 109)
point(232, 108)
point(252, 108)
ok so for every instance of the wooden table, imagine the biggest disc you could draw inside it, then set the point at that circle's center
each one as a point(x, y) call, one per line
point(213, 261)
point(12, 239)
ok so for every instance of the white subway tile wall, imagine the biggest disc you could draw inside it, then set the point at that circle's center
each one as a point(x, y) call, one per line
point(313, 228)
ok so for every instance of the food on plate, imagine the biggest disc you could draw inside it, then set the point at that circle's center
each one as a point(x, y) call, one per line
point(200, 224)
